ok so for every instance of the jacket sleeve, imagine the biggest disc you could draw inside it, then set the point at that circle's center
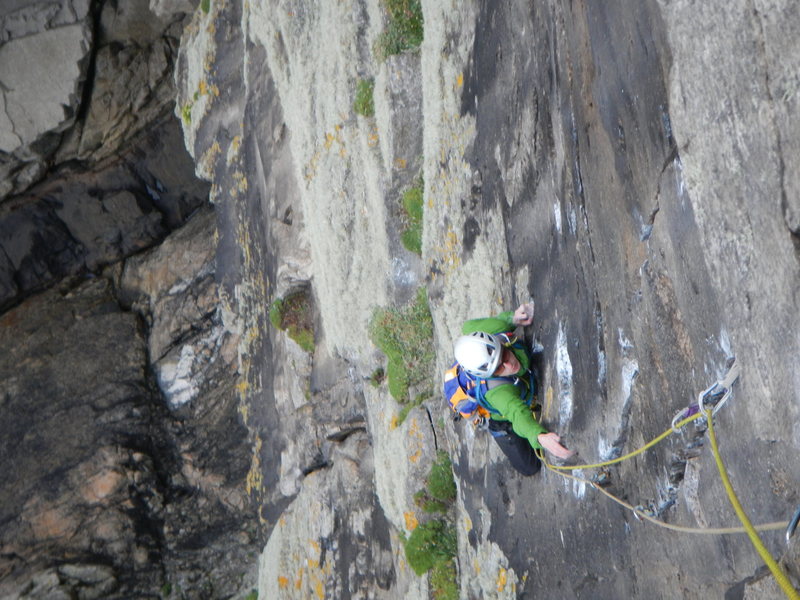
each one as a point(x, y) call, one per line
point(505, 398)
point(498, 324)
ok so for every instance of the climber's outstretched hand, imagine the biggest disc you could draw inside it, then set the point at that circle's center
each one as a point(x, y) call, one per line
point(550, 442)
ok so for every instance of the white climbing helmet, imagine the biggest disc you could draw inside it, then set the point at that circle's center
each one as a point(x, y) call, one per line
point(478, 353)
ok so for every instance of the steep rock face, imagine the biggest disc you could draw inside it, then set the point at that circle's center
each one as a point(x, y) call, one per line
point(40, 102)
point(629, 171)
point(80, 79)
point(560, 176)
point(174, 287)
point(554, 168)
point(109, 494)
point(641, 274)
point(74, 494)
point(124, 458)
point(97, 126)
point(208, 526)
point(340, 552)
point(345, 178)
point(273, 230)
point(81, 221)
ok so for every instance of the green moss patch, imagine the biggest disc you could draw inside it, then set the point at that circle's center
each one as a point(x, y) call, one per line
point(295, 315)
point(440, 483)
point(432, 546)
point(429, 544)
point(444, 580)
point(412, 208)
point(404, 28)
point(364, 103)
point(440, 487)
point(186, 113)
point(405, 336)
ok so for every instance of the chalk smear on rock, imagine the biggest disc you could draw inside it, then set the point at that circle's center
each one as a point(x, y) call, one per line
point(564, 370)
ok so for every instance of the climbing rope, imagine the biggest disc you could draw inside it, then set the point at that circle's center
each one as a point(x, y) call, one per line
point(614, 461)
point(774, 526)
point(777, 572)
point(644, 515)
point(722, 389)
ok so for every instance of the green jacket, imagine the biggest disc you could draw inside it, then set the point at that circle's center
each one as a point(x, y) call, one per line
point(506, 397)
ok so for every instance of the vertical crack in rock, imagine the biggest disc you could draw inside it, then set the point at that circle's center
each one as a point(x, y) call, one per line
point(647, 226)
point(602, 364)
point(576, 175)
point(666, 123)
point(82, 111)
point(682, 473)
point(433, 428)
point(790, 213)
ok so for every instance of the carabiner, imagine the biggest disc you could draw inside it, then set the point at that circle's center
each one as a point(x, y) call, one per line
point(792, 525)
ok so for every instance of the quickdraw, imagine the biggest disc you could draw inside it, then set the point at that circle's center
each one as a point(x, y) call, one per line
point(708, 404)
point(715, 395)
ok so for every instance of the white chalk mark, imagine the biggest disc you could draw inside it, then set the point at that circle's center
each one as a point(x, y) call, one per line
point(624, 343)
point(630, 369)
point(564, 370)
point(557, 215)
point(725, 343)
point(578, 487)
point(573, 220)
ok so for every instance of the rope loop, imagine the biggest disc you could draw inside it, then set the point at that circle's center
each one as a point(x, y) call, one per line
point(720, 391)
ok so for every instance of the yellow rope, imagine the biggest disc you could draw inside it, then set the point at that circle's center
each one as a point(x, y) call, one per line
point(777, 572)
point(648, 445)
point(774, 526)
point(748, 528)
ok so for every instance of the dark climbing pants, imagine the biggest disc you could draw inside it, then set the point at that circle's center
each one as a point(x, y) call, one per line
point(518, 450)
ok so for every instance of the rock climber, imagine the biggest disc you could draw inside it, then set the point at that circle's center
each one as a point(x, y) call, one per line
point(488, 353)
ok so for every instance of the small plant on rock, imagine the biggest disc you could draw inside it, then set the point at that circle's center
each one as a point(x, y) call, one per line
point(440, 487)
point(186, 113)
point(440, 483)
point(377, 377)
point(432, 546)
point(364, 103)
point(443, 580)
point(412, 207)
point(430, 543)
point(405, 336)
point(404, 28)
point(294, 314)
